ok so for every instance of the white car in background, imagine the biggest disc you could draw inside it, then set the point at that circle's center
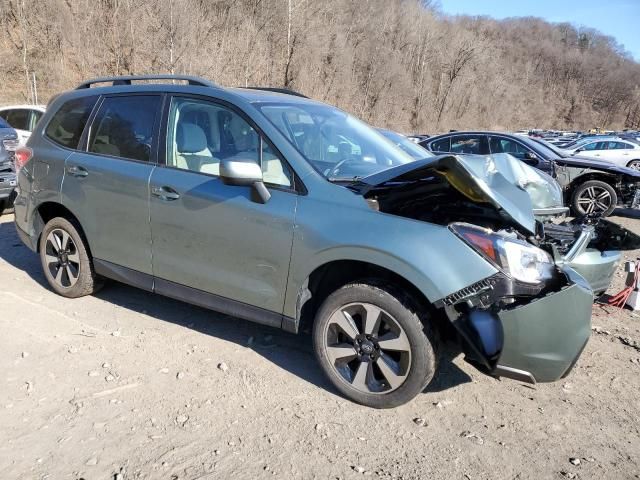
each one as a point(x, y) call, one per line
point(625, 153)
point(23, 119)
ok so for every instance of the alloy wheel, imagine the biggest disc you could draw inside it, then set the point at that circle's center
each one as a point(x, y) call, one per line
point(62, 258)
point(594, 200)
point(367, 348)
point(634, 165)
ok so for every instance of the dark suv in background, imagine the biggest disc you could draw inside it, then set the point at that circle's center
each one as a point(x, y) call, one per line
point(590, 186)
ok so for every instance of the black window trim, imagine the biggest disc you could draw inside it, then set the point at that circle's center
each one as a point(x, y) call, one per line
point(83, 144)
point(298, 186)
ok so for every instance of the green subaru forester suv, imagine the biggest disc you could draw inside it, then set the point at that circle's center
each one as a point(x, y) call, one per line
point(275, 208)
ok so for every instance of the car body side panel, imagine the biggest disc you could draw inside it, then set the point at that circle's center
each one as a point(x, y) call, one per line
point(39, 182)
point(216, 239)
point(112, 205)
point(420, 252)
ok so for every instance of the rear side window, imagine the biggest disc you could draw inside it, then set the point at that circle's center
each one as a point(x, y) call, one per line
point(18, 118)
point(619, 146)
point(66, 126)
point(473, 144)
point(442, 145)
point(124, 127)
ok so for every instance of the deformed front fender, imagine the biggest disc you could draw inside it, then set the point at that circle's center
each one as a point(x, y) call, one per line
point(428, 256)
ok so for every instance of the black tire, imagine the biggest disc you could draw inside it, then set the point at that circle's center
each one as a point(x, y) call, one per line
point(582, 194)
point(406, 314)
point(86, 281)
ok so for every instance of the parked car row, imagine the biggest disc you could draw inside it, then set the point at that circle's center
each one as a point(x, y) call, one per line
point(590, 185)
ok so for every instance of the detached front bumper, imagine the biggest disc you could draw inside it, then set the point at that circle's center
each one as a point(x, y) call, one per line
point(543, 339)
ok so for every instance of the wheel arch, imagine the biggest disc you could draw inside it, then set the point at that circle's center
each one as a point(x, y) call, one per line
point(332, 275)
point(610, 179)
point(49, 210)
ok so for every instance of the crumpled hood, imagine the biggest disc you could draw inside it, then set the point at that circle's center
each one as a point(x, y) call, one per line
point(513, 187)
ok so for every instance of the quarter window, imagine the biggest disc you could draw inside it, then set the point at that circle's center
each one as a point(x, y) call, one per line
point(66, 126)
point(124, 127)
point(202, 134)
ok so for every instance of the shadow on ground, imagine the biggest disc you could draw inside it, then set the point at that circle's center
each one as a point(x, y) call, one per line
point(291, 352)
point(627, 213)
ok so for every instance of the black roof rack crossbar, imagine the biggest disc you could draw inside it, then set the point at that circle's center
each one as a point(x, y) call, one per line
point(278, 90)
point(127, 79)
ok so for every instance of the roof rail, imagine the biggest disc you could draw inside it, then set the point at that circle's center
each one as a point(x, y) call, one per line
point(286, 91)
point(127, 79)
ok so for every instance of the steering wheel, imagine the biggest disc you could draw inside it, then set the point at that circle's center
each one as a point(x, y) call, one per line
point(336, 167)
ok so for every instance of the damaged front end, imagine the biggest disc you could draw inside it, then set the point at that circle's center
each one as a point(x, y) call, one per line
point(531, 319)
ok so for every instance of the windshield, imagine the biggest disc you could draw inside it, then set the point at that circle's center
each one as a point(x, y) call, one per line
point(542, 148)
point(338, 145)
point(4, 124)
point(553, 148)
point(406, 145)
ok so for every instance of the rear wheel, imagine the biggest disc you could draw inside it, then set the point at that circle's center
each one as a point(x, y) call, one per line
point(634, 164)
point(594, 197)
point(65, 259)
point(373, 346)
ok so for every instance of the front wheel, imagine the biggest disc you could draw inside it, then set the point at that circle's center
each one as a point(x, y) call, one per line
point(373, 346)
point(65, 259)
point(594, 197)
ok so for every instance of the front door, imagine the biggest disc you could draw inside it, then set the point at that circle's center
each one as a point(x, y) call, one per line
point(212, 237)
point(107, 185)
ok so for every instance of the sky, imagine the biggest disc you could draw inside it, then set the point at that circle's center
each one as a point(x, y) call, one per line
point(617, 18)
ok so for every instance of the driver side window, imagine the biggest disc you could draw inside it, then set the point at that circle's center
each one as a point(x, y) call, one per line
point(202, 134)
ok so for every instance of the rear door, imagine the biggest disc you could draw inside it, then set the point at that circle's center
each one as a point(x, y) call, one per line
point(211, 237)
point(107, 184)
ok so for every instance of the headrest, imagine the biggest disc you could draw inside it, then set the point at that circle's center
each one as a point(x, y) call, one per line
point(190, 138)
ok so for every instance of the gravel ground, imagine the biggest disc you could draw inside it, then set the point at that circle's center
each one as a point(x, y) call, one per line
point(126, 385)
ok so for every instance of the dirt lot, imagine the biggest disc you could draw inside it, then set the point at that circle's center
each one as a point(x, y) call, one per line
point(130, 385)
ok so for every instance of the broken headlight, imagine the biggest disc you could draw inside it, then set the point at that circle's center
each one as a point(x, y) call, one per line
point(517, 258)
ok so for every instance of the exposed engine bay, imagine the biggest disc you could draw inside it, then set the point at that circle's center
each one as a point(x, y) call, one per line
point(513, 216)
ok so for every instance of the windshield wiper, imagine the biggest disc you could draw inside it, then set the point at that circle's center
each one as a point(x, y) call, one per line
point(345, 179)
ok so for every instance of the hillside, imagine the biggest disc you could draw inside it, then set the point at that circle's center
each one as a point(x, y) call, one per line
point(398, 64)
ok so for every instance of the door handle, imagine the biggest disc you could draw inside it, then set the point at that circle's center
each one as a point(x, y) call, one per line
point(76, 171)
point(165, 193)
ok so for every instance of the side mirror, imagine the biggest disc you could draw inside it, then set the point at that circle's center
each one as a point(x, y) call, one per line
point(530, 158)
point(577, 151)
point(245, 172)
